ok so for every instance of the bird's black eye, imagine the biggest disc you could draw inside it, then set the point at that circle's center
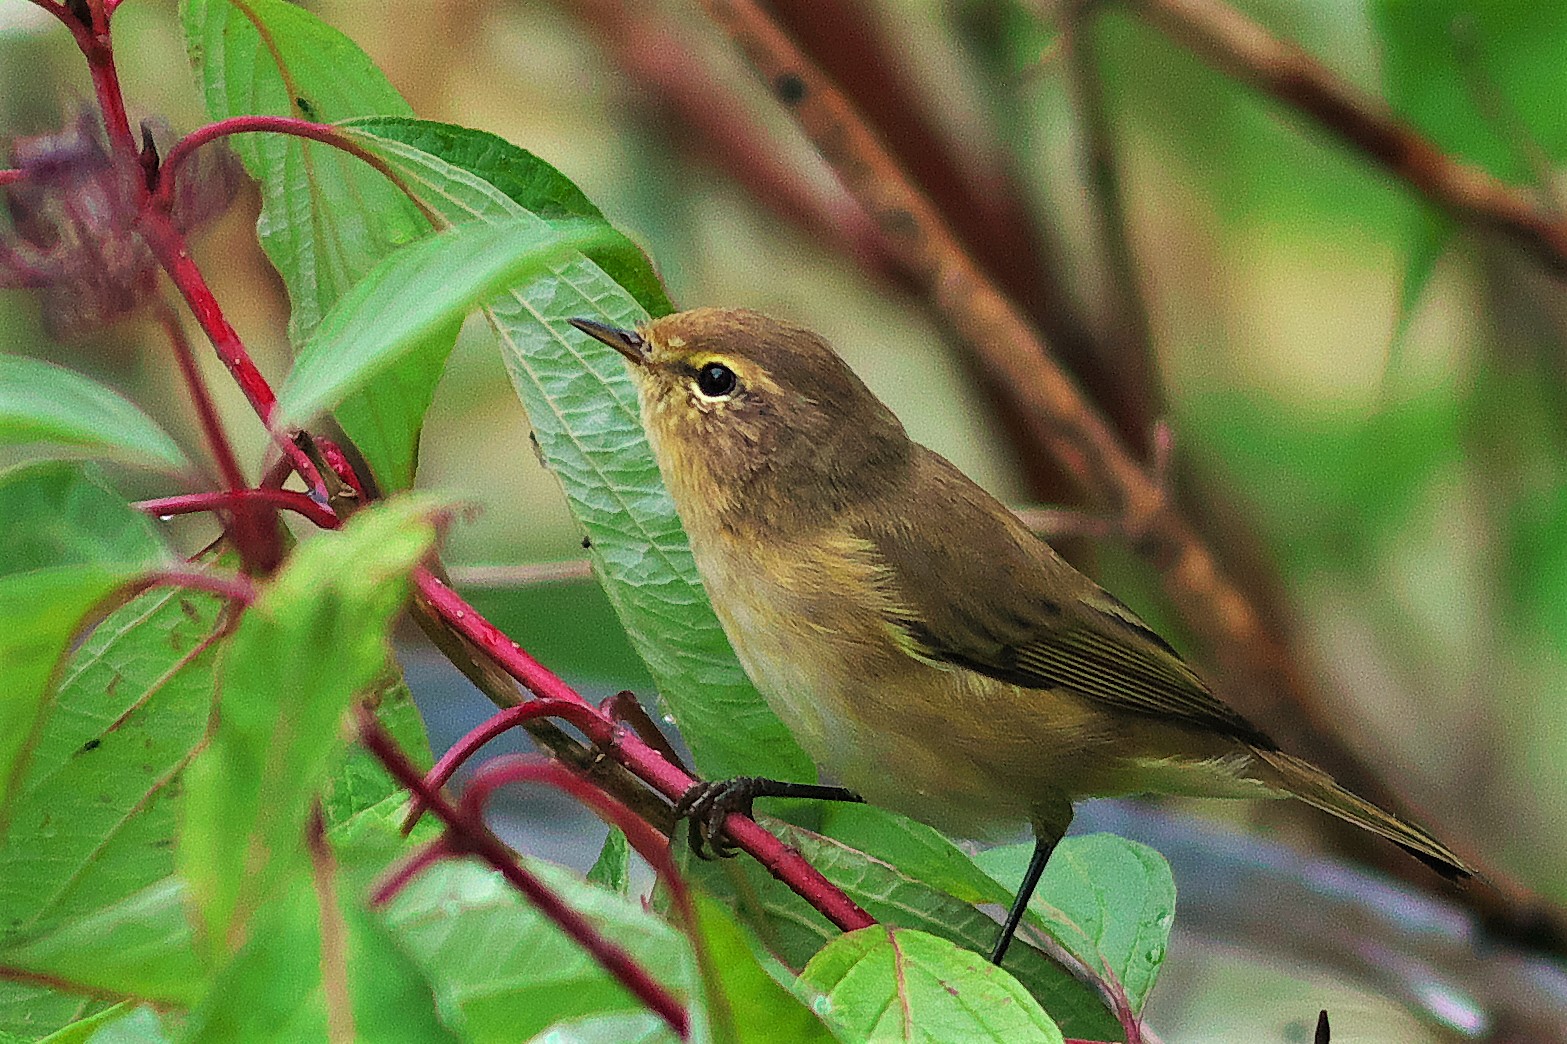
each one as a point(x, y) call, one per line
point(715, 380)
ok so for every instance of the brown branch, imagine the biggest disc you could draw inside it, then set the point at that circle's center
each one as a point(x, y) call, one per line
point(714, 128)
point(985, 206)
point(1258, 667)
point(1243, 48)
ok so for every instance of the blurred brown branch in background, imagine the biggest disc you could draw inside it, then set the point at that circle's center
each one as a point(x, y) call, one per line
point(1246, 50)
point(716, 127)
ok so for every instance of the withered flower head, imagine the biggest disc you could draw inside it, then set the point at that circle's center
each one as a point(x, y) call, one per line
point(73, 213)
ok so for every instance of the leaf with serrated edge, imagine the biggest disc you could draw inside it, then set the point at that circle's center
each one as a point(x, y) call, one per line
point(530, 183)
point(48, 405)
point(1107, 900)
point(70, 542)
point(896, 984)
point(584, 411)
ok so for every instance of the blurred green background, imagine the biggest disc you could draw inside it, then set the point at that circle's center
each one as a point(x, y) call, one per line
point(1366, 401)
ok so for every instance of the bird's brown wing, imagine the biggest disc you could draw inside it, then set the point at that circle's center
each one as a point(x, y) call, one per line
point(970, 586)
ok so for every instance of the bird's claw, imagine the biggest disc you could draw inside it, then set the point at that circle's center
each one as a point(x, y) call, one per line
point(706, 806)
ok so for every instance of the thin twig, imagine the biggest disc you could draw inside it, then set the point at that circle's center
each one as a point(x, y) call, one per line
point(201, 399)
point(173, 253)
point(497, 724)
point(227, 500)
point(235, 588)
point(255, 532)
point(469, 834)
point(181, 151)
point(527, 574)
point(1241, 47)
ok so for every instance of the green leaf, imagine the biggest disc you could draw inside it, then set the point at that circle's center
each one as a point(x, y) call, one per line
point(78, 1032)
point(794, 931)
point(288, 981)
point(612, 869)
point(920, 851)
point(133, 702)
point(70, 543)
point(1108, 900)
point(360, 781)
point(326, 216)
point(629, 1027)
point(895, 984)
point(743, 999)
point(141, 1026)
point(41, 403)
point(412, 294)
point(140, 946)
point(124, 1023)
point(529, 182)
point(314, 638)
point(584, 412)
point(512, 973)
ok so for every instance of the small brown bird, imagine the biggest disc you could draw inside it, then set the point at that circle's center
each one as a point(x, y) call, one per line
point(925, 648)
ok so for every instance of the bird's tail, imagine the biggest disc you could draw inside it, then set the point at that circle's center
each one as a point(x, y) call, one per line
point(1316, 788)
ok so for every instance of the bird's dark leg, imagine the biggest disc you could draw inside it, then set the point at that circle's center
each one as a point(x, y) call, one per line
point(706, 805)
point(1043, 846)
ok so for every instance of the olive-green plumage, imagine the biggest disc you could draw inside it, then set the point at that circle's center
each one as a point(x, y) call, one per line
point(921, 643)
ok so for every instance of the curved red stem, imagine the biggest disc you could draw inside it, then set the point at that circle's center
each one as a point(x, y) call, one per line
point(467, 833)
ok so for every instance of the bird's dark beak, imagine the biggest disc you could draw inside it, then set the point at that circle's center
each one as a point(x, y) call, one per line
point(627, 342)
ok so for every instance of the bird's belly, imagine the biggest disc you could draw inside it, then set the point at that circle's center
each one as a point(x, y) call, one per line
point(949, 746)
point(932, 743)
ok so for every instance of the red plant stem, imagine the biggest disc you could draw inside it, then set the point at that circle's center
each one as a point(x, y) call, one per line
point(206, 410)
point(649, 843)
point(99, 52)
point(468, 834)
point(254, 531)
point(498, 723)
point(521, 768)
point(165, 240)
point(173, 254)
point(287, 499)
point(234, 588)
point(642, 760)
point(409, 869)
point(337, 461)
point(10, 176)
point(326, 134)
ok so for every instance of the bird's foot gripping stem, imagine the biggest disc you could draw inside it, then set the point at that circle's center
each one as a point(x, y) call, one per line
point(706, 805)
